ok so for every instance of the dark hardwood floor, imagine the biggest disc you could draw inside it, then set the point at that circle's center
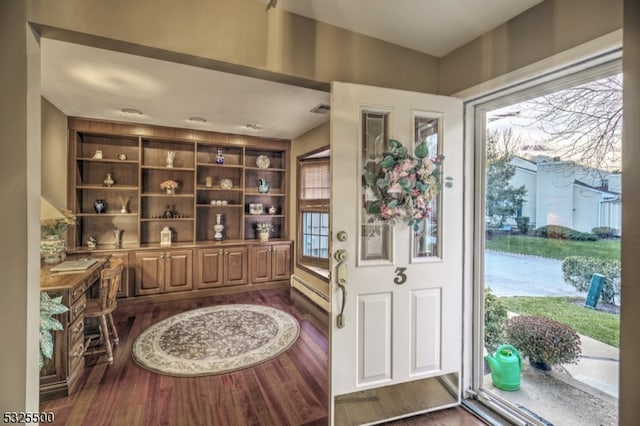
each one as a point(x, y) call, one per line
point(291, 389)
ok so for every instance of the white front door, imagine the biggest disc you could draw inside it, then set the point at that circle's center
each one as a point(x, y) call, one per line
point(396, 334)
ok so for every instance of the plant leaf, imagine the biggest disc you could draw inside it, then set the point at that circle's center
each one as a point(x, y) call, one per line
point(421, 150)
point(387, 162)
point(382, 183)
point(405, 183)
point(374, 207)
point(46, 344)
point(394, 144)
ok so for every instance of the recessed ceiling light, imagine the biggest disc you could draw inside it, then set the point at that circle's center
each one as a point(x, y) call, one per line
point(254, 126)
point(131, 111)
point(198, 119)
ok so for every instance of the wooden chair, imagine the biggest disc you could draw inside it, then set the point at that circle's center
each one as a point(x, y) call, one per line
point(101, 308)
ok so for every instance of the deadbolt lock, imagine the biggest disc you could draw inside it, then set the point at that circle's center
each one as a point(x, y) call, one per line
point(340, 255)
point(342, 236)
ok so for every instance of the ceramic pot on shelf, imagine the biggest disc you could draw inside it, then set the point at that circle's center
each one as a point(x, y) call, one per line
point(263, 186)
point(108, 181)
point(100, 206)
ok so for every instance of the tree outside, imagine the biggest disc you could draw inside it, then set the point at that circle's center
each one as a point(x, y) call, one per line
point(503, 200)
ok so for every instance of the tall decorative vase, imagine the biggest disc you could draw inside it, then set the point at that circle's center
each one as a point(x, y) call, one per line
point(117, 237)
point(51, 248)
point(169, 157)
point(219, 157)
point(218, 228)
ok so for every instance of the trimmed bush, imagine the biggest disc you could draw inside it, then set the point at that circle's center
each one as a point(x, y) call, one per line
point(523, 224)
point(577, 271)
point(495, 315)
point(563, 233)
point(546, 342)
point(605, 232)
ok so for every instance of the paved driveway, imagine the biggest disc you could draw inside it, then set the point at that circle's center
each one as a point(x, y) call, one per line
point(517, 275)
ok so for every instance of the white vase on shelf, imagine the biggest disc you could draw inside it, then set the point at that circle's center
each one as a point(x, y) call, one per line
point(218, 228)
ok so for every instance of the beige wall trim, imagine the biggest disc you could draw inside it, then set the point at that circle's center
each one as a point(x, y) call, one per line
point(315, 295)
point(164, 55)
point(600, 50)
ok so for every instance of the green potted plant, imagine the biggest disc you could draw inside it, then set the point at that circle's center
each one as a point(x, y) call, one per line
point(545, 341)
point(53, 226)
point(48, 308)
point(263, 230)
point(495, 315)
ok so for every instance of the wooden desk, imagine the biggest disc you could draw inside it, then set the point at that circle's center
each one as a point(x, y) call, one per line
point(60, 375)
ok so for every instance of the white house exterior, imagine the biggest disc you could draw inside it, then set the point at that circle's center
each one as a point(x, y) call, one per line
point(567, 194)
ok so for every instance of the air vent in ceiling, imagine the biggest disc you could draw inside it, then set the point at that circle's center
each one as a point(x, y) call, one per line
point(321, 109)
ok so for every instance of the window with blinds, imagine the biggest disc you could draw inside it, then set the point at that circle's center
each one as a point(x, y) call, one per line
point(313, 212)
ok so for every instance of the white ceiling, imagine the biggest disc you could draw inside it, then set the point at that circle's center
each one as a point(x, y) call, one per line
point(95, 83)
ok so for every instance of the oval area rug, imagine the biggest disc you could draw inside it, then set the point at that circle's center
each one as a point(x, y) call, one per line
point(215, 340)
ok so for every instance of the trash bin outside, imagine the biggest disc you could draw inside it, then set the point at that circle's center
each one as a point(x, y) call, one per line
point(595, 289)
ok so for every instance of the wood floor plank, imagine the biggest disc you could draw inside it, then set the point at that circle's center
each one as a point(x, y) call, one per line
point(291, 389)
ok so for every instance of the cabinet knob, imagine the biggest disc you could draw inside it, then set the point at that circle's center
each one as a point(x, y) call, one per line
point(79, 352)
point(79, 328)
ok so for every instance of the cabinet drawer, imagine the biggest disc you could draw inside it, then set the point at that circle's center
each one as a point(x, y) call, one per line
point(78, 291)
point(76, 331)
point(77, 309)
point(76, 356)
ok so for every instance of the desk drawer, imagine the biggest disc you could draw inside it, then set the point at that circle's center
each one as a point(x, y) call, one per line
point(76, 332)
point(77, 309)
point(76, 355)
point(79, 291)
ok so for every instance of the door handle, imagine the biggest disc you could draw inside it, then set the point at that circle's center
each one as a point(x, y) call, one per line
point(341, 281)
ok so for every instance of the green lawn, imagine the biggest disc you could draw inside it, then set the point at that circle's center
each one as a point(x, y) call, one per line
point(556, 249)
point(600, 326)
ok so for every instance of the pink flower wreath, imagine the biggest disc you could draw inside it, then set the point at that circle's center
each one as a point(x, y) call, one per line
point(404, 185)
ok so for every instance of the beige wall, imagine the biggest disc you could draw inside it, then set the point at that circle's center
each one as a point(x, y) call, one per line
point(54, 155)
point(20, 175)
point(217, 33)
point(630, 315)
point(310, 141)
point(545, 30)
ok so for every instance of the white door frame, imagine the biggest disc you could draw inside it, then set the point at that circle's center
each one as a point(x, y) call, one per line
point(596, 52)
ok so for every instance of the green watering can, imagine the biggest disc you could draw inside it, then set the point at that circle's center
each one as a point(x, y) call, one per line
point(505, 367)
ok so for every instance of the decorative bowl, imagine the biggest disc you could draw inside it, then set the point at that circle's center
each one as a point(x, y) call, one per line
point(226, 184)
point(263, 162)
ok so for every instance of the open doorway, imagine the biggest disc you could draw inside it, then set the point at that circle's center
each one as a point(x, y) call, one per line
point(548, 269)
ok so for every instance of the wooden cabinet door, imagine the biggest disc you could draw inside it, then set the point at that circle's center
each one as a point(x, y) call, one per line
point(150, 272)
point(280, 262)
point(260, 263)
point(235, 266)
point(178, 270)
point(123, 290)
point(210, 264)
